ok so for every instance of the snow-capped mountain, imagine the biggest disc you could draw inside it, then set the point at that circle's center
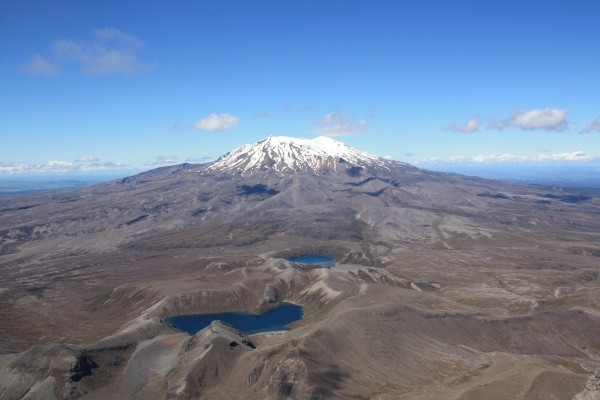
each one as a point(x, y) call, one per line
point(289, 155)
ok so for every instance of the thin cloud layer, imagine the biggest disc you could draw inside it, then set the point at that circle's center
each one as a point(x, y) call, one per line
point(87, 158)
point(261, 115)
point(592, 127)
point(59, 166)
point(574, 156)
point(216, 123)
point(472, 125)
point(163, 159)
point(199, 159)
point(337, 124)
point(39, 65)
point(107, 51)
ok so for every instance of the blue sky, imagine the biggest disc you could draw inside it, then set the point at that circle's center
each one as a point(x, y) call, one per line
point(101, 85)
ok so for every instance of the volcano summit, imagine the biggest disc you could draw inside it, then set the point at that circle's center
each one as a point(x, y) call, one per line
point(445, 286)
point(282, 154)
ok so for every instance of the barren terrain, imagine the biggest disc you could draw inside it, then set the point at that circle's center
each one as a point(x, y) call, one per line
point(444, 287)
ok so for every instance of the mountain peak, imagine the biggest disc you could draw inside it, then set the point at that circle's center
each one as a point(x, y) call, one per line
point(284, 154)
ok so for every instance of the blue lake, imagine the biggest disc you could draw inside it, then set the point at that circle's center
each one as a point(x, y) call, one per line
point(313, 259)
point(273, 320)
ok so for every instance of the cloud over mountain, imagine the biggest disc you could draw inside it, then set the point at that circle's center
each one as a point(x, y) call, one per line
point(216, 123)
point(337, 124)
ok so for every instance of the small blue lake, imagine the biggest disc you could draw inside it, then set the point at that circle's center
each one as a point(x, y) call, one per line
point(313, 259)
point(273, 320)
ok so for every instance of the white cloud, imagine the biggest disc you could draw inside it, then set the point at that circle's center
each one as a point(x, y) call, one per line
point(472, 125)
point(552, 119)
point(87, 158)
point(59, 166)
point(107, 51)
point(549, 119)
point(337, 124)
point(109, 165)
point(574, 156)
point(216, 123)
point(592, 127)
point(39, 65)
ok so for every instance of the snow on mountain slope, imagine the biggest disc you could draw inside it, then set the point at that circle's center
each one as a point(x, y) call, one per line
point(286, 154)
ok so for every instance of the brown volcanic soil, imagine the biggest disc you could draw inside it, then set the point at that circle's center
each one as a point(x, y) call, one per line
point(446, 287)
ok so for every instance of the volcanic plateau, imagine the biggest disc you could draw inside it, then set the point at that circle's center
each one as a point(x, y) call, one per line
point(444, 286)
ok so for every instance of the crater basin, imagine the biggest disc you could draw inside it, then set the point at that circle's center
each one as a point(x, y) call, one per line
point(313, 259)
point(273, 320)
